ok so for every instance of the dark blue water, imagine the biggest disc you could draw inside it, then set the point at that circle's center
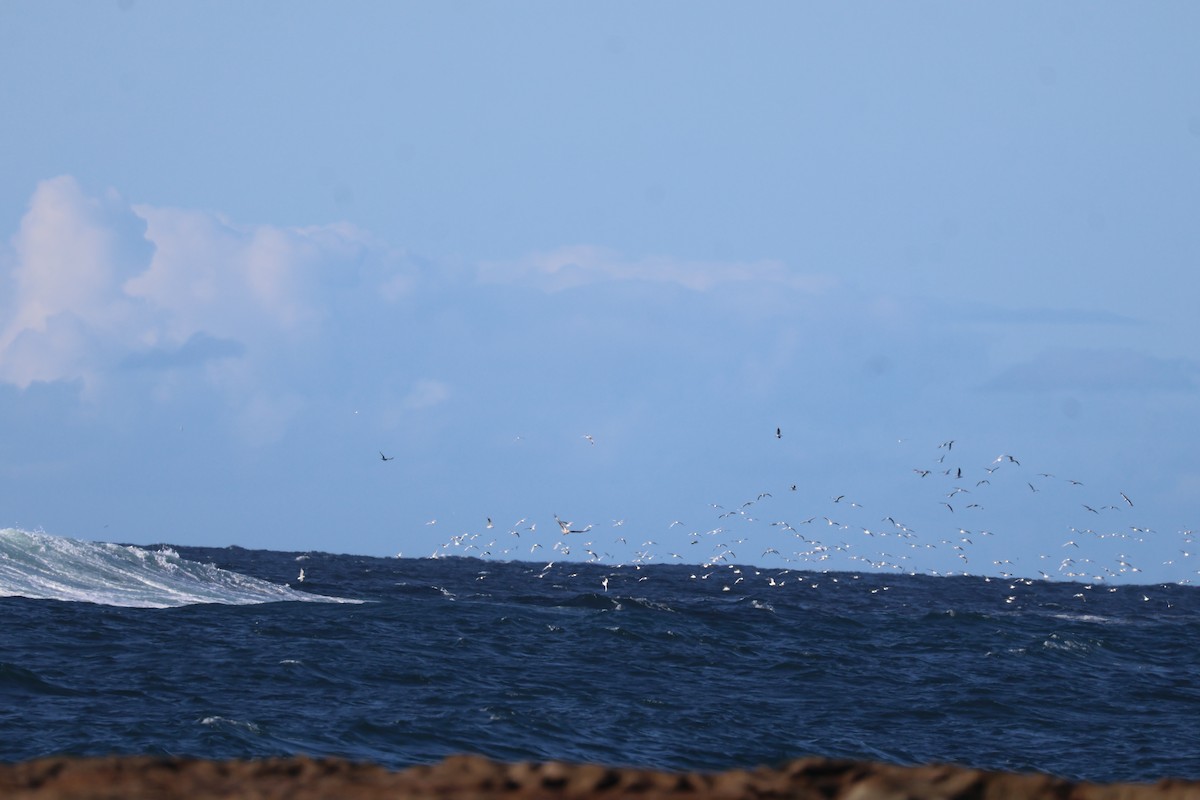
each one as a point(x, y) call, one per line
point(667, 666)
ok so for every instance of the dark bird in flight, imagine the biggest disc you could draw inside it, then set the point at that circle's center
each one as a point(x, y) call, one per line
point(1125, 497)
point(778, 433)
point(386, 458)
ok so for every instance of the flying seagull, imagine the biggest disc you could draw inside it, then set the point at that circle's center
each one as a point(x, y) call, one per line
point(778, 433)
point(566, 526)
point(386, 458)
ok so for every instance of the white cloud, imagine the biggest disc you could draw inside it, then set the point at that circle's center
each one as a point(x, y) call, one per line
point(209, 274)
point(569, 267)
point(72, 254)
point(97, 283)
point(56, 347)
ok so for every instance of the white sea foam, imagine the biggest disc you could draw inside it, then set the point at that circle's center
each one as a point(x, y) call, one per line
point(40, 566)
point(1087, 618)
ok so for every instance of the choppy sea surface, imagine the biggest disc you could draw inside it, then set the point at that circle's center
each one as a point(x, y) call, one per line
point(227, 653)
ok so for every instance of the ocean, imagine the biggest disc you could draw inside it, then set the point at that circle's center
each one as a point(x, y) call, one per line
point(227, 653)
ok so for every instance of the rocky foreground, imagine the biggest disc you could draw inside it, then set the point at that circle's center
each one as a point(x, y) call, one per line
point(470, 777)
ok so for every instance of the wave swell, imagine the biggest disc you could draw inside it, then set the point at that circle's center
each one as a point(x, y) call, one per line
point(44, 567)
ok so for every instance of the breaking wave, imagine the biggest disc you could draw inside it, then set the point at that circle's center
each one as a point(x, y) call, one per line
point(44, 567)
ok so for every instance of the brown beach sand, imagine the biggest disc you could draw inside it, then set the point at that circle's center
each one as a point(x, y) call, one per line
point(473, 777)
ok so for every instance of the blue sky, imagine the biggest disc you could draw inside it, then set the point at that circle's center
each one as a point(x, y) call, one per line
point(248, 247)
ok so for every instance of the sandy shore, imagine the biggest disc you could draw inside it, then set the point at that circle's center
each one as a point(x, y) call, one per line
point(470, 777)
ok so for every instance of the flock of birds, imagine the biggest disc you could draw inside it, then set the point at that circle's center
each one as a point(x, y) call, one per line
point(953, 536)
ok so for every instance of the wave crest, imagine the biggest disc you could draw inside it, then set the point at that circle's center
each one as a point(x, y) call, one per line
point(44, 567)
